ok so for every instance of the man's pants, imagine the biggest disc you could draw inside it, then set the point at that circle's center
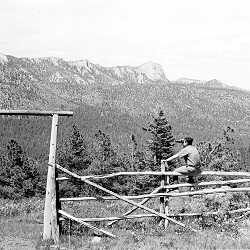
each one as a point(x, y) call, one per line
point(189, 171)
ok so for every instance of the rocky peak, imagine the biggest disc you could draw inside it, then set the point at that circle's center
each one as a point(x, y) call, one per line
point(56, 61)
point(153, 71)
point(215, 84)
point(86, 64)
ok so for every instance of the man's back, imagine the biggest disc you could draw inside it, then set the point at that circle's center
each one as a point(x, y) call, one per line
point(190, 155)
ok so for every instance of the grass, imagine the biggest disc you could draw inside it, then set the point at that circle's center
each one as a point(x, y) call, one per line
point(22, 221)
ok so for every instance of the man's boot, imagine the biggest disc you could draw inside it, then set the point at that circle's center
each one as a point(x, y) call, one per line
point(190, 180)
point(175, 181)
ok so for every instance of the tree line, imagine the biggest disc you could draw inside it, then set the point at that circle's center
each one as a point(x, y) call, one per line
point(20, 175)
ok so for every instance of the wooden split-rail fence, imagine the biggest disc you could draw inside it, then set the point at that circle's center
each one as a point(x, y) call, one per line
point(52, 211)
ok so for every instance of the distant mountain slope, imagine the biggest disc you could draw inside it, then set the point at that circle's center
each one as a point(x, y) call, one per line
point(193, 106)
point(57, 83)
point(188, 81)
point(214, 83)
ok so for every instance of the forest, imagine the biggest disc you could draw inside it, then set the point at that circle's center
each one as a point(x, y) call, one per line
point(91, 150)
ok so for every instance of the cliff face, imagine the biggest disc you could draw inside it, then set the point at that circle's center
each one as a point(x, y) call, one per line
point(52, 82)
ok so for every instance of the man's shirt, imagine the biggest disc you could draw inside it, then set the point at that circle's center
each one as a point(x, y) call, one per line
point(190, 155)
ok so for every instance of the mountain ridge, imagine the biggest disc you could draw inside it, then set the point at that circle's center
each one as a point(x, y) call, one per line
point(200, 108)
point(148, 72)
point(213, 83)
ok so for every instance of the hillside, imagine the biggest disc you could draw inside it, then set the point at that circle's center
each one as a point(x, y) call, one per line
point(214, 83)
point(114, 95)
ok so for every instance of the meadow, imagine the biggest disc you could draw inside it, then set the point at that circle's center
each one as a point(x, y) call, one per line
point(21, 225)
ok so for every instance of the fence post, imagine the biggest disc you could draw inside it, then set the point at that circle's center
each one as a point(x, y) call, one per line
point(162, 199)
point(51, 225)
point(167, 198)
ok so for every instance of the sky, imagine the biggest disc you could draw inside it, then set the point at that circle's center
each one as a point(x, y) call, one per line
point(196, 39)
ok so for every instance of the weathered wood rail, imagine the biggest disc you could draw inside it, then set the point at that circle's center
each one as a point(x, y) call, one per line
point(155, 194)
point(35, 112)
point(204, 173)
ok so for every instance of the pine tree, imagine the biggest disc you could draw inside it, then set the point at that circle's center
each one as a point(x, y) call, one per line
point(74, 156)
point(19, 176)
point(162, 140)
point(103, 146)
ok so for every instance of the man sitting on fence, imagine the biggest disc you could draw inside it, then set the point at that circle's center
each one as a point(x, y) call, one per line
point(192, 159)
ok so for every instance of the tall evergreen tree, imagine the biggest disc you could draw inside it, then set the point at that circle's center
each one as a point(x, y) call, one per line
point(133, 150)
point(162, 140)
point(74, 156)
point(103, 146)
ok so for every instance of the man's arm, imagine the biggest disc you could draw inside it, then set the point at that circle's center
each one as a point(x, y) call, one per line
point(171, 158)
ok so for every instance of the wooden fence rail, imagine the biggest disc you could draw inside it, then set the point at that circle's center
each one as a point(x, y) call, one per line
point(164, 213)
point(144, 196)
point(136, 216)
point(123, 198)
point(211, 183)
point(204, 173)
point(84, 223)
point(36, 112)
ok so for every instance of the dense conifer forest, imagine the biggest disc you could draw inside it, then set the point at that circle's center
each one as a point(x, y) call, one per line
point(98, 141)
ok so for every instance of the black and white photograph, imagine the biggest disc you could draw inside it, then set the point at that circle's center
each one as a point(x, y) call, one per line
point(124, 125)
